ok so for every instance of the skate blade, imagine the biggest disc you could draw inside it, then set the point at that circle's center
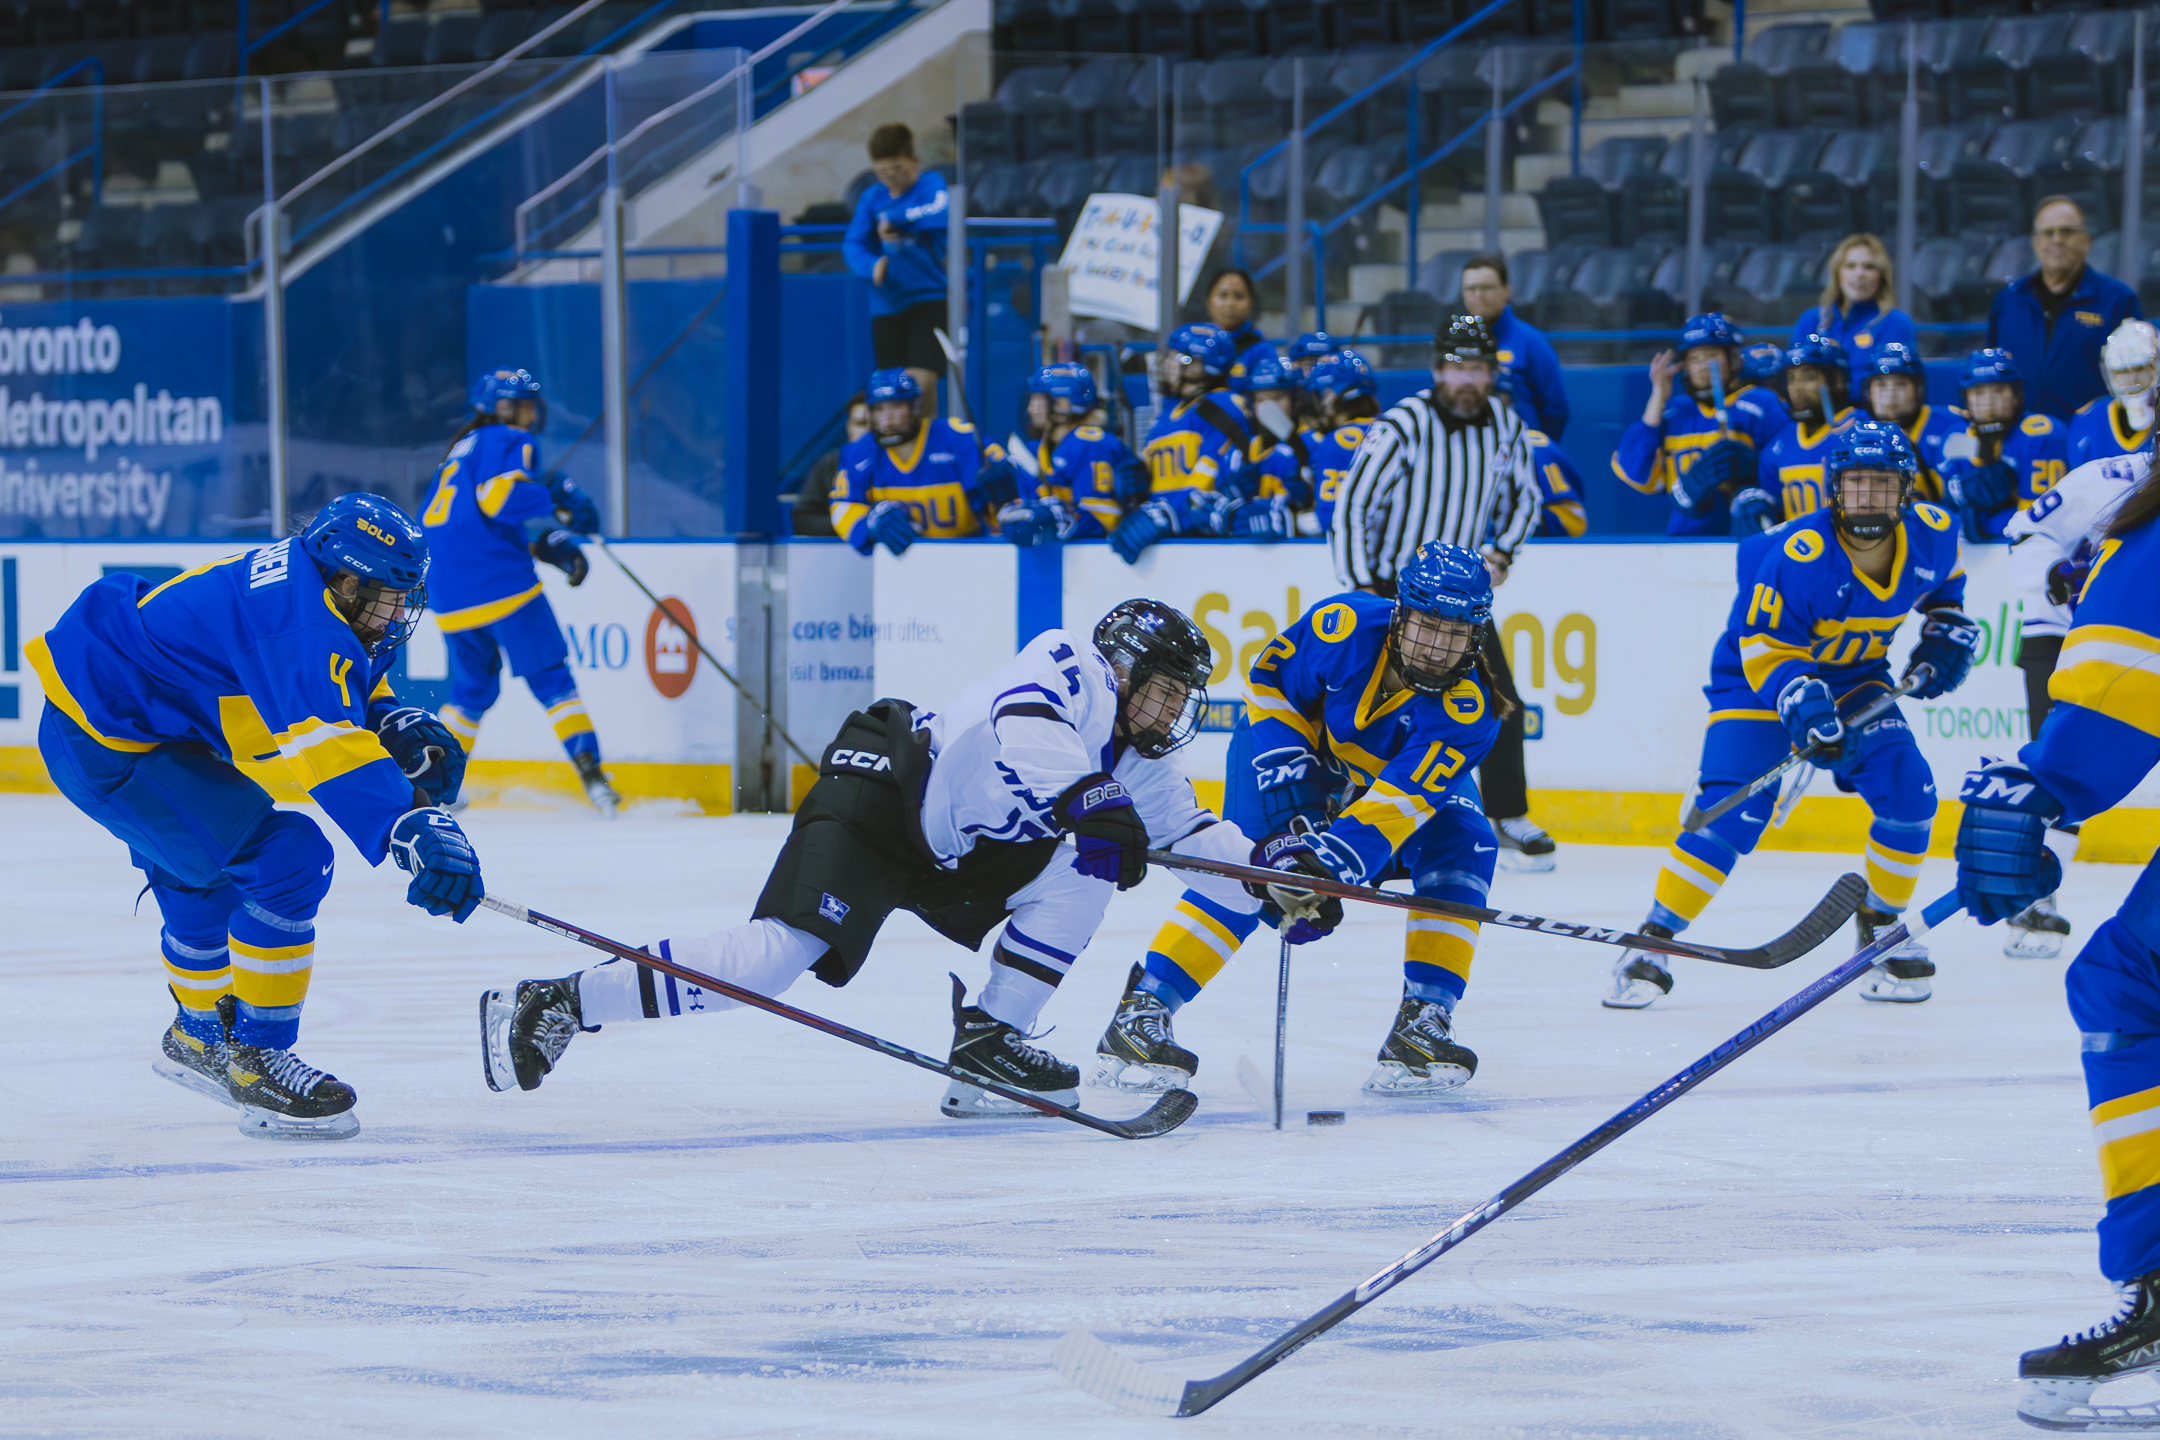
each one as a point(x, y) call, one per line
point(188, 1079)
point(1112, 1073)
point(1889, 990)
point(969, 1102)
point(2066, 1405)
point(496, 1012)
point(1521, 864)
point(1636, 996)
point(269, 1125)
point(606, 801)
point(2033, 945)
point(1393, 1081)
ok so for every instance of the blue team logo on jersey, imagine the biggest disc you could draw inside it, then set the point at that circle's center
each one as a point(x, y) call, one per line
point(832, 909)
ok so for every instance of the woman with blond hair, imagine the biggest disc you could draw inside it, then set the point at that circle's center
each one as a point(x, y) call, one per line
point(1856, 310)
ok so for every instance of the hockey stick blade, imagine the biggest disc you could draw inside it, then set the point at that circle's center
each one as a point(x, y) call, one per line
point(1166, 1114)
point(1090, 1365)
point(1830, 912)
point(1875, 709)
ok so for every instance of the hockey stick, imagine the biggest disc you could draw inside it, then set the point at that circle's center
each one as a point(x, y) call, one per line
point(959, 373)
point(1171, 1111)
point(710, 658)
point(1833, 910)
point(1873, 710)
point(1086, 1362)
point(1282, 1024)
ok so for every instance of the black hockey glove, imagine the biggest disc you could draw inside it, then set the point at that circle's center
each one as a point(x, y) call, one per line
point(1112, 840)
point(560, 549)
point(424, 748)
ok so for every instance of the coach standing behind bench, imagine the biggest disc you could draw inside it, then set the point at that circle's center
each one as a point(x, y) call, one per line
point(1448, 464)
point(2054, 321)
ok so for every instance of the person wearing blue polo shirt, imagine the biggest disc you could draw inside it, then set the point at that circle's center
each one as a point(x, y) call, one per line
point(897, 242)
point(1529, 370)
point(1855, 309)
point(2055, 320)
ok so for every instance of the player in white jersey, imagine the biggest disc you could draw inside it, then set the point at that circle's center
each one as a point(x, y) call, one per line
point(1015, 809)
point(2052, 545)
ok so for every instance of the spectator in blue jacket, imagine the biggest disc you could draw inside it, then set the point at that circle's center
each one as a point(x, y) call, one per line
point(1529, 370)
point(2055, 320)
point(1231, 300)
point(1855, 309)
point(897, 242)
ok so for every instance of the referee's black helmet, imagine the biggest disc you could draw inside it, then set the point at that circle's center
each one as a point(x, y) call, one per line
point(1465, 337)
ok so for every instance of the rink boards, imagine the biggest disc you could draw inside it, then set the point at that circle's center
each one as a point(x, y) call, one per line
point(1609, 642)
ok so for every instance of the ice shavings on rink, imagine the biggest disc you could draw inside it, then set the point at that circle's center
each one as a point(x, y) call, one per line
point(727, 1225)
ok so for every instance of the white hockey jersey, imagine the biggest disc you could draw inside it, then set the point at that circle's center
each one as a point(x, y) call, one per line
point(2065, 524)
point(1011, 743)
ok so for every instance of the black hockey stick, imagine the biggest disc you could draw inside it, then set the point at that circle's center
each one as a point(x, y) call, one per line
point(710, 658)
point(1874, 709)
point(1830, 912)
point(1094, 1367)
point(1171, 1111)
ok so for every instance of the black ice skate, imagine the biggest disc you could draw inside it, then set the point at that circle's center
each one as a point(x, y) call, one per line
point(282, 1097)
point(523, 1035)
point(1420, 1056)
point(193, 1065)
point(2037, 932)
point(1903, 977)
point(1138, 1053)
point(597, 788)
point(997, 1051)
point(1523, 846)
point(2060, 1380)
point(1639, 977)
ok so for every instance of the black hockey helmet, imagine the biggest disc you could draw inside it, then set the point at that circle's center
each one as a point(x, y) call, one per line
point(1146, 641)
point(1466, 337)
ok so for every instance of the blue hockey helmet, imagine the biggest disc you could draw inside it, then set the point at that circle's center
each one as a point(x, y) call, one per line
point(370, 539)
point(1209, 345)
point(1443, 602)
point(1992, 365)
point(892, 383)
point(1067, 381)
point(1710, 329)
point(1762, 362)
point(1895, 358)
point(1820, 352)
point(1870, 445)
point(1312, 345)
point(1275, 373)
point(494, 386)
point(1342, 374)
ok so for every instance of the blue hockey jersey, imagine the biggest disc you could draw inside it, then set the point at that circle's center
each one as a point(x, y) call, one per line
point(1929, 431)
point(2038, 450)
point(932, 474)
point(1309, 469)
point(247, 655)
point(1791, 467)
point(1562, 513)
point(1199, 444)
point(2103, 733)
point(1650, 458)
point(481, 566)
point(2100, 430)
point(1092, 474)
point(1318, 689)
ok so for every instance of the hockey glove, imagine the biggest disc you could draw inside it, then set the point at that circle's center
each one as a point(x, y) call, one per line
point(1267, 519)
point(999, 481)
point(1293, 785)
point(1983, 488)
point(560, 549)
point(1293, 852)
point(424, 748)
point(1811, 719)
point(1043, 522)
point(1948, 641)
point(573, 507)
point(1156, 520)
point(429, 846)
point(2002, 856)
point(1754, 510)
point(1723, 465)
point(2066, 581)
point(888, 524)
point(1106, 829)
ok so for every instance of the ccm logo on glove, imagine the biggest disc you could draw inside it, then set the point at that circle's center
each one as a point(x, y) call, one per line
point(862, 760)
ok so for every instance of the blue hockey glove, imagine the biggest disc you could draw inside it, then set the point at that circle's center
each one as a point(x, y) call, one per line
point(573, 507)
point(999, 481)
point(1294, 784)
point(1755, 510)
point(1310, 916)
point(1156, 520)
point(2066, 580)
point(561, 549)
point(888, 522)
point(1983, 488)
point(1268, 519)
point(1106, 829)
point(1042, 522)
point(1811, 718)
point(1131, 479)
point(424, 748)
point(1948, 641)
point(2002, 856)
point(429, 846)
point(1722, 466)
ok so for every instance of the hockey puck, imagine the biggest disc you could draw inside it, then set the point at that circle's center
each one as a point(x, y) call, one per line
point(1323, 1117)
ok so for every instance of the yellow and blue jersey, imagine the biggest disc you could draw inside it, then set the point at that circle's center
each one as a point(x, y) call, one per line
point(1320, 688)
point(484, 492)
point(1810, 610)
point(1791, 467)
point(933, 475)
point(1929, 432)
point(2038, 451)
point(2103, 732)
point(1094, 475)
point(1562, 512)
point(1650, 458)
point(1199, 444)
point(2099, 430)
point(1310, 468)
point(247, 655)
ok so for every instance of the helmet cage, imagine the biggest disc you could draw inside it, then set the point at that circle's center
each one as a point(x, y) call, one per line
point(1162, 664)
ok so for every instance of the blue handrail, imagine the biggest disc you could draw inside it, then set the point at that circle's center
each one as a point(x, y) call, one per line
point(881, 22)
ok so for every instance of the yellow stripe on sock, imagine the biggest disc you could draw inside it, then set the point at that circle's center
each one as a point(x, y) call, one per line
point(199, 989)
point(275, 991)
point(1685, 885)
point(461, 725)
point(569, 718)
point(1195, 942)
point(2123, 1105)
point(1449, 944)
point(267, 961)
point(1892, 875)
point(2130, 1164)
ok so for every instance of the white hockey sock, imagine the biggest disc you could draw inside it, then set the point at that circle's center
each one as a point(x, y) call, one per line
point(764, 956)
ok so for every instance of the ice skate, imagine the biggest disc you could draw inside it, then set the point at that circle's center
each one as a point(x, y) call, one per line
point(997, 1051)
point(1639, 977)
point(597, 789)
point(2037, 932)
point(1138, 1053)
point(1903, 977)
point(281, 1097)
point(2060, 1379)
point(1523, 847)
point(1420, 1056)
point(523, 1034)
point(192, 1065)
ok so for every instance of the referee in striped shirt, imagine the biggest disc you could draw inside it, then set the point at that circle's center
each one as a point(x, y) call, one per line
point(1449, 464)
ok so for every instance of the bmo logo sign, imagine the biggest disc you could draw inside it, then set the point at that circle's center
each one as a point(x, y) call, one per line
point(671, 656)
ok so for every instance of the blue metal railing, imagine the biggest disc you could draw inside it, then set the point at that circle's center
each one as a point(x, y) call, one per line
point(769, 97)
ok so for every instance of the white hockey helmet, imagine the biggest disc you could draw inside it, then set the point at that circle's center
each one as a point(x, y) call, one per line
point(2130, 360)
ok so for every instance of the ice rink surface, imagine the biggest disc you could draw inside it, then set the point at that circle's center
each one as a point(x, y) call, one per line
point(727, 1225)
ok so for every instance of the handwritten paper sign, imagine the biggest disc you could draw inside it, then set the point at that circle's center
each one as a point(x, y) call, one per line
point(1112, 259)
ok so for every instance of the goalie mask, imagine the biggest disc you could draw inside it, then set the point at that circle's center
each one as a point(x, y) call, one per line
point(1443, 602)
point(1162, 663)
point(2131, 363)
